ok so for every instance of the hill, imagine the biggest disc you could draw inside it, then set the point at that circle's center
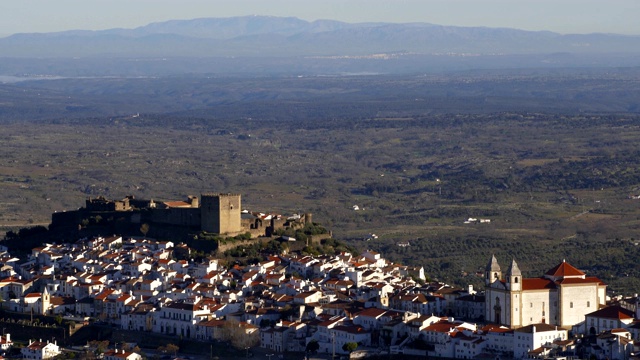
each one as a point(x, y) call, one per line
point(296, 46)
point(554, 186)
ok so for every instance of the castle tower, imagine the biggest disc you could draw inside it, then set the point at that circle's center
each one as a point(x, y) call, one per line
point(514, 277)
point(492, 272)
point(220, 213)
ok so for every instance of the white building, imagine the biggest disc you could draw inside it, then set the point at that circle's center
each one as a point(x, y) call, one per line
point(121, 355)
point(563, 296)
point(39, 350)
point(612, 317)
point(5, 342)
point(532, 337)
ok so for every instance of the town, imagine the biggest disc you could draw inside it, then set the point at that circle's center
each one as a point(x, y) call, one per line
point(292, 302)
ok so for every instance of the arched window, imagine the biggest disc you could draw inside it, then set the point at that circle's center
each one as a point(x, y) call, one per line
point(515, 280)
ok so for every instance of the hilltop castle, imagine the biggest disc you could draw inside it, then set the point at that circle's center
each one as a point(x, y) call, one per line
point(215, 213)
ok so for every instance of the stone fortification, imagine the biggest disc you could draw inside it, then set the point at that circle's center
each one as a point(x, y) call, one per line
point(220, 214)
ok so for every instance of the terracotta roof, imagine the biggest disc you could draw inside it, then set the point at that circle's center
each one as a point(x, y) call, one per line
point(37, 345)
point(496, 329)
point(564, 269)
point(177, 204)
point(537, 284)
point(613, 312)
point(372, 312)
point(353, 329)
point(589, 280)
point(441, 327)
point(538, 328)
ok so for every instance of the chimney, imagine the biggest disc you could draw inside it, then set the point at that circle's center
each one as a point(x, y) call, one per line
point(8, 337)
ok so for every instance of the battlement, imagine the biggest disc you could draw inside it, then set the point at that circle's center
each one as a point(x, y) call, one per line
point(103, 204)
point(218, 195)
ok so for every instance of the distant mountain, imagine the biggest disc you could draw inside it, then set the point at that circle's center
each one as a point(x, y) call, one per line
point(287, 37)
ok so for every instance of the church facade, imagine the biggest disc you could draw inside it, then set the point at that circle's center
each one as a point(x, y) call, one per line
point(562, 296)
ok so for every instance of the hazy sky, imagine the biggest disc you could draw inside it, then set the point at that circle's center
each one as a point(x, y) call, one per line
point(563, 16)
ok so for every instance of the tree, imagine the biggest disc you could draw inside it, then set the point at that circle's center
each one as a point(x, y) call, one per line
point(313, 346)
point(350, 347)
point(237, 335)
point(100, 346)
point(144, 229)
point(169, 348)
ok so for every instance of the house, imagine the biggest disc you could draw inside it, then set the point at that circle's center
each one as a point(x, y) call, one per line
point(417, 303)
point(121, 355)
point(606, 319)
point(179, 318)
point(140, 318)
point(469, 307)
point(5, 342)
point(39, 350)
point(533, 336)
point(449, 337)
point(613, 344)
point(307, 297)
point(275, 338)
point(499, 339)
point(343, 334)
point(15, 287)
point(374, 318)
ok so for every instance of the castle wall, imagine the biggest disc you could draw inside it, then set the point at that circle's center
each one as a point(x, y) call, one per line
point(176, 216)
point(232, 244)
point(65, 219)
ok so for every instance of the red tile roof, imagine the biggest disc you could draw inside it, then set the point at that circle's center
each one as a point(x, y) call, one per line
point(588, 280)
point(564, 269)
point(441, 327)
point(613, 312)
point(537, 284)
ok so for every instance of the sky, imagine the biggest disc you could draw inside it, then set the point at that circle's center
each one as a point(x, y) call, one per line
point(562, 16)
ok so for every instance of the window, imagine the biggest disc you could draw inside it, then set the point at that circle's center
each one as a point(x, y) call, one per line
point(531, 305)
point(571, 305)
point(588, 303)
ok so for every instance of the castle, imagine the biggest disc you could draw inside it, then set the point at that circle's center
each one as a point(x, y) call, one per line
point(562, 297)
point(215, 213)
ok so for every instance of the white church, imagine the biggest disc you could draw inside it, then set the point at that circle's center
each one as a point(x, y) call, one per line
point(562, 297)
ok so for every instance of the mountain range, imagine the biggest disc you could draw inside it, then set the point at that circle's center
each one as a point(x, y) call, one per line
point(261, 37)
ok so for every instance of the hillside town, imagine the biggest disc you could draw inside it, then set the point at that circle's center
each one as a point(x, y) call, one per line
point(330, 304)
